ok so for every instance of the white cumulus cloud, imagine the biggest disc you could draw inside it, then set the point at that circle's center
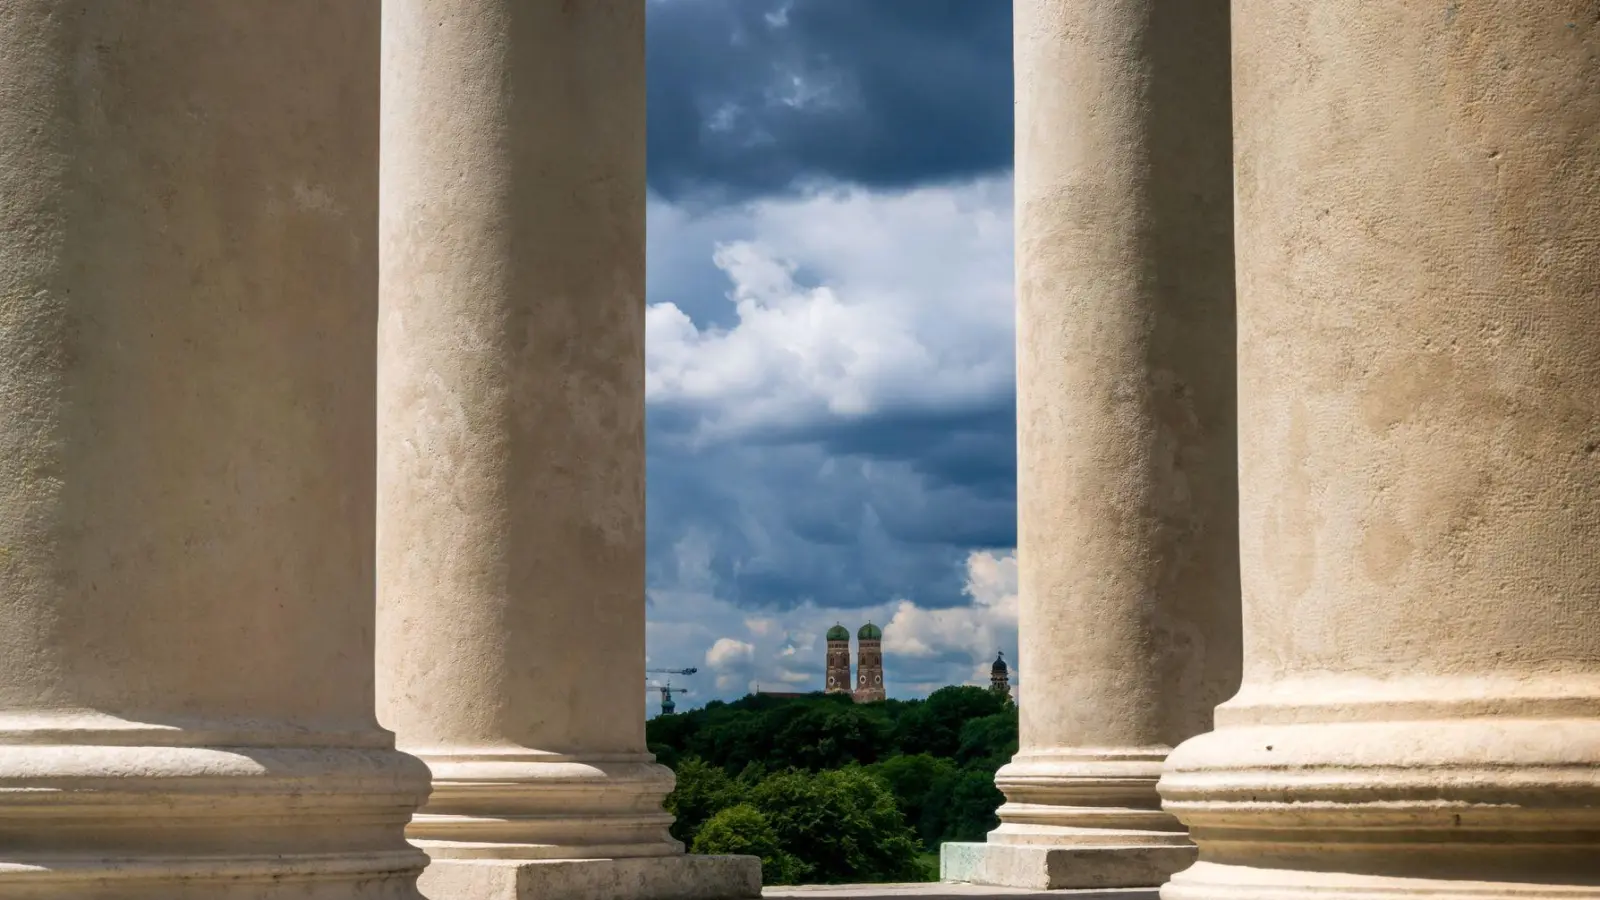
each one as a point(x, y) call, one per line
point(924, 649)
point(845, 305)
point(976, 631)
point(728, 653)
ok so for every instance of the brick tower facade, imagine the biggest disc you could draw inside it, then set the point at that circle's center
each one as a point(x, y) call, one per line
point(869, 664)
point(838, 681)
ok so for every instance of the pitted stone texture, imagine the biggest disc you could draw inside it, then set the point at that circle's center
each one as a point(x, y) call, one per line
point(1055, 867)
point(661, 878)
point(944, 892)
point(511, 426)
point(188, 202)
point(1419, 380)
point(1126, 484)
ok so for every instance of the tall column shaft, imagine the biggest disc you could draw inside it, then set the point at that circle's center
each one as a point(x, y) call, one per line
point(1125, 413)
point(511, 612)
point(511, 425)
point(188, 295)
point(1419, 369)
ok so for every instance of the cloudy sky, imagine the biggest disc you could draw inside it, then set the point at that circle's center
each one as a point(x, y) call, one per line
point(830, 376)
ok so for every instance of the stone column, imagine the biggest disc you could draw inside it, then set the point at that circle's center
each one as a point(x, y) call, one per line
point(1419, 365)
point(1126, 438)
point(188, 297)
point(511, 451)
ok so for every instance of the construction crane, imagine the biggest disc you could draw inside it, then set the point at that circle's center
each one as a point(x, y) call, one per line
point(668, 705)
point(667, 690)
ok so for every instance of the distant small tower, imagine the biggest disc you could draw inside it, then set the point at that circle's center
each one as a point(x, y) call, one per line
point(869, 664)
point(1000, 676)
point(668, 705)
point(838, 660)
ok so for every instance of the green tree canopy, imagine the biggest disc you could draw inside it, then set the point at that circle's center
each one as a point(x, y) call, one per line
point(988, 741)
point(702, 791)
point(921, 784)
point(934, 759)
point(743, 830)
point(843, 825)
point(970, 813)
point(830, 737)
point(934, 726)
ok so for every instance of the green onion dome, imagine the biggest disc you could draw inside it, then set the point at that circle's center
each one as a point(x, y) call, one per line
point(870, 632)
point(838, 633)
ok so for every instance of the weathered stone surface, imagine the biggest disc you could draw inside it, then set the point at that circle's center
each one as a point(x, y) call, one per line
point(1127, 552)
point(1052, 868)
point(188, 298)
point(511, 426)
point(662, 878)
point(511, 451)
point(1419, 359)
point(945, 892)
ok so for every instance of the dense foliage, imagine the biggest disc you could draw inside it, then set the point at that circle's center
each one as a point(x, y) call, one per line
point(746, 830)
point(828, 791)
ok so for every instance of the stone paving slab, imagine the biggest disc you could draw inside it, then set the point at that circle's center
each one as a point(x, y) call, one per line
point(1054, 868)
point(936, 891)
point(684, 877)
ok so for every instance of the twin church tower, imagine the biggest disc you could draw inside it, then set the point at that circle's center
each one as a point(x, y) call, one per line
point(869, 668)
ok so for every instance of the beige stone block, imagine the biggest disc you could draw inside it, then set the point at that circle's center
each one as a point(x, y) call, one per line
point(1049, 868)
point(658, 878)
point(940, 891)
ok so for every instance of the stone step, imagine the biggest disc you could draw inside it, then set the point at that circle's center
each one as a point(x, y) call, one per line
point(937, 891)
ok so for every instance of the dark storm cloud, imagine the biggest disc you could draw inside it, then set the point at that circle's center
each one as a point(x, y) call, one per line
point(792, 524)
point(961, 471)
point(752, 97)
point(950, 478)
point(975, 446)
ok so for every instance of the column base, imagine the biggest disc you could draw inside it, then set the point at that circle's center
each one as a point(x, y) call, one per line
point(93, 807)
point(303, 877)
point(1211, 881)
point(1046, 868)
point(1479, 788)
point(685, 877)
point(517, 804)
